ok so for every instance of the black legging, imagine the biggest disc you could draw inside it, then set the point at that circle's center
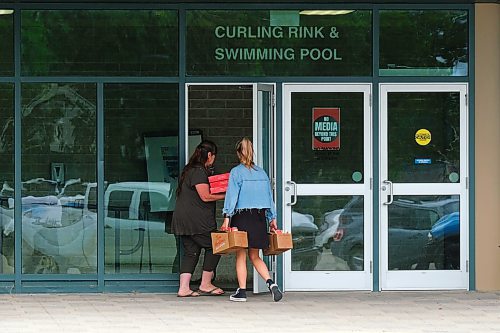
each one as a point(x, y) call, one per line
point(192, 245)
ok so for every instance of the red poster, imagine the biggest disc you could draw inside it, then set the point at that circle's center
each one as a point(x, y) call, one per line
point(326, 129)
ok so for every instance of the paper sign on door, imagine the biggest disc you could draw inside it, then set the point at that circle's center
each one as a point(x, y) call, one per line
point(326, 129)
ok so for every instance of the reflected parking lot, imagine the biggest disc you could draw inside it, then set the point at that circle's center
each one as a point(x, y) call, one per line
point(59, 232)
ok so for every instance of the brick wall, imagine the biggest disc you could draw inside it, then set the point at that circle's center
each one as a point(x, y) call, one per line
point(224, 115)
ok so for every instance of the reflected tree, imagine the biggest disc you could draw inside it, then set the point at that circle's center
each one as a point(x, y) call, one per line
point(104, 42)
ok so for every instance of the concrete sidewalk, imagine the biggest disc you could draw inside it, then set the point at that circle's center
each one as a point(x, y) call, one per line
point(298, 312)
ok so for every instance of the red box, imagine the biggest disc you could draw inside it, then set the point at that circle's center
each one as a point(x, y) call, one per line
point(217, 178)
point(218, 183)
point(216, 190)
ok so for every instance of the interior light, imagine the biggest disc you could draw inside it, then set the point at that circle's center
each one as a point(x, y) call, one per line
point(325, 12)
point(6, 11)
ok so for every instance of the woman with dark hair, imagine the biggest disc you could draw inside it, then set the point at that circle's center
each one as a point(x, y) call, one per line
point(249, 206)
point(194, 220)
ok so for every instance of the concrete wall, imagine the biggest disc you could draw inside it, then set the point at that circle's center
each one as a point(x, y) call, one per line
point(487, 144)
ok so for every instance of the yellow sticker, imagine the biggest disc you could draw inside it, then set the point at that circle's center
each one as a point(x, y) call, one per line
point(423, 137)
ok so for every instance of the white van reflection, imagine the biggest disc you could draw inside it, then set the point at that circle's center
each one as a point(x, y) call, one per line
point(57, 238)
point(60, 233)
point(135, 217)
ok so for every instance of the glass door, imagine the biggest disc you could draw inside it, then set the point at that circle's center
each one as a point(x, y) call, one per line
point(327, 186)
point(423, 190)
point(264, 144)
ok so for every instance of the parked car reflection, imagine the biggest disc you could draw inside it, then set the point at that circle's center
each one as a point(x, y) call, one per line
point(410, 222)
point(135, 216)
point(58, 235)
point(328, 229)
point(58, 239)
point(6, 235)
point(60, 231)
point(443, 248)
point(304, 253)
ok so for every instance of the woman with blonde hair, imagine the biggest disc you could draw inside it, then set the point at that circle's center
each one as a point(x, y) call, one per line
point(249, 206)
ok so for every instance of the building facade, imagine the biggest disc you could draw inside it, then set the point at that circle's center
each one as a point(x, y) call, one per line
point(378, 124)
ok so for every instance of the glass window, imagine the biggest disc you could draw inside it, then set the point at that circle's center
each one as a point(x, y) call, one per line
point(7, 42)
point(58, 149)
point(328, 233)
point(99, 42)
point(310, 163)
point(435, 115)
point(424, 233)
point(141, 126)
point(424, 43)
point(118, 204)
point(279, 42)
point(91, 198)
point(7, 179)
point(154, 206)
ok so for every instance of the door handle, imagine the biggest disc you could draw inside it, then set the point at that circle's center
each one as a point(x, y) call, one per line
point(391, 197)
point(294, 185)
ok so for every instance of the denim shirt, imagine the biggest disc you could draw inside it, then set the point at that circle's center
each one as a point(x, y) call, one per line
point(249, 188)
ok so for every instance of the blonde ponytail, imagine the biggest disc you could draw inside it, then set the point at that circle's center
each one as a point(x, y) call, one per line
point(244, 149)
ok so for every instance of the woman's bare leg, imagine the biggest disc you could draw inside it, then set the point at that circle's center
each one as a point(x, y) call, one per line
point(206, 283)
point(241, 268)
point(259, 264)
point(184, 288)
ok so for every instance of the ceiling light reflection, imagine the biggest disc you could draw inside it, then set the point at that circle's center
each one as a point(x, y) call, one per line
point(326, 12)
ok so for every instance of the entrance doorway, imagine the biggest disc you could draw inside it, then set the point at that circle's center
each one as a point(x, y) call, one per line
point(327, 186)
point(424, 194)
point(224, 113)
point(328, 181)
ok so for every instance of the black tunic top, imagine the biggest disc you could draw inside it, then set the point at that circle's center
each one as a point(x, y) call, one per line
point(192, 215)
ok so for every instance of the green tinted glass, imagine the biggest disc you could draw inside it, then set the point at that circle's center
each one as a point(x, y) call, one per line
point(104, 42)
point(424, 233)
point(424, 137)
point(281, 42)
point(312, 164)
point(58, 149)
point(7, 179)
point(424, 43)
point(141, 172)
point(328, 233)
point(6, 42)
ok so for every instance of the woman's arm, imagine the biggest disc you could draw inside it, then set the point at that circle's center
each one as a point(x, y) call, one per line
point(205, 195)
point(271, 212)
point(232, 193)
point(273, 225)
point(225, 223)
